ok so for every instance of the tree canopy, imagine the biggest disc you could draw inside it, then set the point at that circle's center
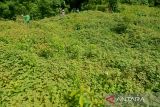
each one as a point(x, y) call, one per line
point(46, 8)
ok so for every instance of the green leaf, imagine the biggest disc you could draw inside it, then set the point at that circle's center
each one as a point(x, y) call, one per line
point(73, 93)
point(82, 89)
point(81, 101)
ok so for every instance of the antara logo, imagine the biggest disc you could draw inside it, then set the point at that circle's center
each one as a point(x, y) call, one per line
point(117, 99)
point(111, 99)
point(130, 99)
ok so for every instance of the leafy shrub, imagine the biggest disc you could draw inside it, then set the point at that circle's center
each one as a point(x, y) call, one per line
point(120, 28)
point(102, 8)
point(135, 1)
point(73, 51)
point(80, 97)
point(155, 42)
point(50, 63)
point(91, 52)
point(37, 9)
point(89, 7)
point(44, 50)
point(113, 5)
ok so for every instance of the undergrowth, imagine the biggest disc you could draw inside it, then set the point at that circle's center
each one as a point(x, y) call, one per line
point(75, 60)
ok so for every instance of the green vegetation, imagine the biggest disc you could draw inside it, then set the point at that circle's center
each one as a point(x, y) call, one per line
point(39, 9)
point(113, 5)
point(75, 60)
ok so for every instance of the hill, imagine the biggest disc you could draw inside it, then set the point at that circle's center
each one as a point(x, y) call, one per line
point(77, 59)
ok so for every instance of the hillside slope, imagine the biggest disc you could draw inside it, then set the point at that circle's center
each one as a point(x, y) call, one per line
point(62, 61)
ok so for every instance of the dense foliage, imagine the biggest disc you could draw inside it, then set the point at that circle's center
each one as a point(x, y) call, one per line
point(9, 9)
point(75, 60)
point(36, 8)
point(113, 5)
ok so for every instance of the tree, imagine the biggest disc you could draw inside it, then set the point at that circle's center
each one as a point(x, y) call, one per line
point(7, 9)
point(156, 2)
point(75, 4)
point(36, 8)
point(113, 5)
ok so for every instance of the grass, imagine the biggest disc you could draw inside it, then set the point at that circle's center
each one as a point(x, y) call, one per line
point(75, 60)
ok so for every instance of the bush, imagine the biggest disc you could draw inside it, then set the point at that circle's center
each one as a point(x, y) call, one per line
point(120, 28)
point(113, 5)
point(89, 7)
point(102, 8)
point(37, 9)
point(75, 60)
